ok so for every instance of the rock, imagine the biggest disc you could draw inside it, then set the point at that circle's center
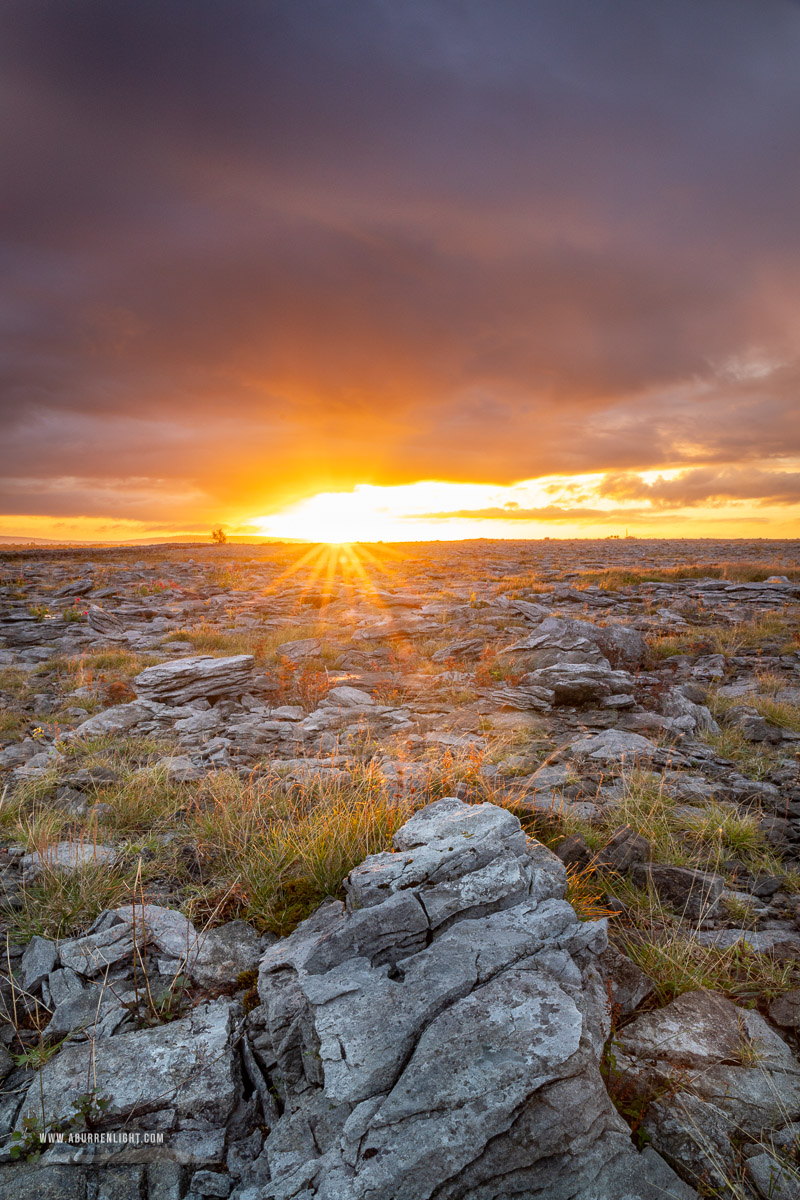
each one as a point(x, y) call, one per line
point(165, 928)
point(613, 745)
point(200, 676)
point(628, 984)
point(754, 727)
point(39, 959)
point(579, 683)
point(573, 851)
point(225, 952)
point(186, 1066)
point(471, 648)
point(525, 699)
point(105, 623)
point(179, 768)
point(728, 1073)
point(557, 641)
point(299, 649)
point(785, 1011)
point(120, 1183)
point(61, 985)
point(348, 697)
point(686, 715)
point(440, 1034)
point(119, 719)
point(774, 1180)
point(91, 954)
point(25, 1180)
point(625, 848)
point(210, 1183)
point(622, 645)
point(694, 894)
point(92, 1008)
point(781, 943)
point(66, 856)
point(709, 666)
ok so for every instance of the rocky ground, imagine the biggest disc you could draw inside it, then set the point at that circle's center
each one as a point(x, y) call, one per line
point(427, 871)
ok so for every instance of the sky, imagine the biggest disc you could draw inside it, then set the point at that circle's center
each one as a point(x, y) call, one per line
point(340, 269)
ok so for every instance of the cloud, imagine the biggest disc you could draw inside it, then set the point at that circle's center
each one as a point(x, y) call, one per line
point(707, 486)
point(253, 251)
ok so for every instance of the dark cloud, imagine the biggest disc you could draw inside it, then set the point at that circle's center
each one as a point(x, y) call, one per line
point(251, 249)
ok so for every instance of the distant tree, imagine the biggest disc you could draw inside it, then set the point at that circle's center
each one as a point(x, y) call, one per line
point(218, 536)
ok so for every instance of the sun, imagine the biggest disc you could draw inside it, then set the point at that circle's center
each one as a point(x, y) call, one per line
point(337, 518)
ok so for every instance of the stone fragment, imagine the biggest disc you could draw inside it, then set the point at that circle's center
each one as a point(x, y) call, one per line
point(39, 959)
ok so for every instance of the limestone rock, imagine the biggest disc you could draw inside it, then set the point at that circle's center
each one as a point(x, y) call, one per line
point(65, 856)
point(105, 623)
point(728, 1073)
point(439, 1035)
point(580, 683)
point(694, 894)
point(186, 1066)
point(194, 678)
point(613, 745)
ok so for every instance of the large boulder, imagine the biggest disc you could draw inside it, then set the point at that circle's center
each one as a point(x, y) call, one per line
point(195, 678)
point(439, 1033)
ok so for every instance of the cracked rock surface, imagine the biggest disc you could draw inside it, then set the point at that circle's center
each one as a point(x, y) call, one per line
point(438, 1035)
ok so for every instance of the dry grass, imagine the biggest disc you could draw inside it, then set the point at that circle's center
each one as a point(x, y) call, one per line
point(261, 642)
